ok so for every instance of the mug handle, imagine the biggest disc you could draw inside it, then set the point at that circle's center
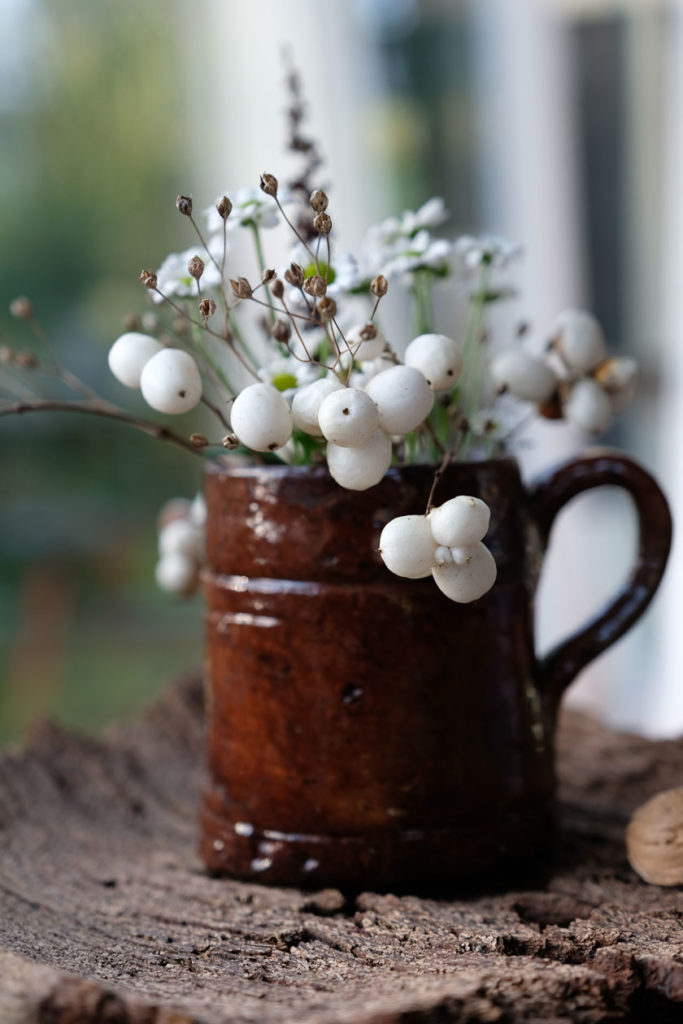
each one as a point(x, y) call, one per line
point(602, 468)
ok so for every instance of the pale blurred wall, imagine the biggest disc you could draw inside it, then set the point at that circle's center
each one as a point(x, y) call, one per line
point(529, 179)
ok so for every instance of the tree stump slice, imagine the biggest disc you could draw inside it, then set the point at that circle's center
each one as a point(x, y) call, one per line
point(106, 914)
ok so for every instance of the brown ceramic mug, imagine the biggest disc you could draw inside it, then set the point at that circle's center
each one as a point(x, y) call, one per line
point(363, 730)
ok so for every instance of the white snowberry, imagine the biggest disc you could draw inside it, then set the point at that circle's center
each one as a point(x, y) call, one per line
point(129, 354)
point(523, 375)
point(170, 382)
point(579, 339)
point(460, 522)
point(348, 417)
point(438, 358)
point(588, 407)
point(182, 537)
point(366, 341)
point(363, 467)
point(407, 547)
point(403, 398)
point(177, 574)
point(307, 402)
point(468, 582)
point(261, 418)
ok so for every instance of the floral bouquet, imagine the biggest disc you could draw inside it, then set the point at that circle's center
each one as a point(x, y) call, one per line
point(295, 366)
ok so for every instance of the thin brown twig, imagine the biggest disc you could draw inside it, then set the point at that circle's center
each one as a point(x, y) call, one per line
point(104, 410)
point(437, 476)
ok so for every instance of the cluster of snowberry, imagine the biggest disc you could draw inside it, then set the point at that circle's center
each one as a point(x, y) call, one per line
point(577, 381)
point(169, 378)
point(182, 545)
point(446, 543)
point(358, 423)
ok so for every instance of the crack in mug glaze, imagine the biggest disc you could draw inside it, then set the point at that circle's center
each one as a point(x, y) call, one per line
point(363, 730)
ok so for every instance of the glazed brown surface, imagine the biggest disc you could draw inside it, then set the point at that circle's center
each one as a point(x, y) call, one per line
point(363, 729)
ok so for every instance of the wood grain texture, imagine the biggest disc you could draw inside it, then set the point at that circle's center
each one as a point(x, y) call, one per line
point(106, 914)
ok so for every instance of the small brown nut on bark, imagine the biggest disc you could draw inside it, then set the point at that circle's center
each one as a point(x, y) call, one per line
point(654, 839)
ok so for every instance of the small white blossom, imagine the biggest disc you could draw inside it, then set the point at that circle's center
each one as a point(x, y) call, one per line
point(474, 252)
point(174, 279)
point(286, 374)
point(250, 206)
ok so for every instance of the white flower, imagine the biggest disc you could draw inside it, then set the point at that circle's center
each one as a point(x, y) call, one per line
point(490, 249)
point(174, 279)
point(250, 206)
point(420, 252)
point(286, 374)
point(431, 214)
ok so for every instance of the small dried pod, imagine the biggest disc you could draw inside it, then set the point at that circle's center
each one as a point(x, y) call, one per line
point(379, 286)
point(281, 331)
point(322, 223)
point(269, 184)
point(277, 288)
point(654, 839)
point(195, 267)
point(224, 207)
point(184, 205)
point(268, 275)
point(148, 278)
point(315, 286)
point(207, 307)
point(295, 275)
point(319, 200)
point(241, 287)
point(327, 308)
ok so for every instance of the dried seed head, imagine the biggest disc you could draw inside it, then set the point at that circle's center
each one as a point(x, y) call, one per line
point(207, 307)
point(295, 275)
point(230, 441)
point(319, 200)
point(268, 184)
point(199, 441)
point(282, 331)
point(131, 322)
point(277, 288)
point(184, 205)
point(328, 308)
point(195, 267)
point(267, 276)
point(368, 332)
point(379, 286)
point(315, 286)
point(322, 223)
point(241, 287)
point(21, 308)
point(224, 207)
point(148, 278)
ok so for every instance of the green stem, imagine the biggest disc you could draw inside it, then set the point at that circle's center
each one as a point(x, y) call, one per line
point(260, 256)
point(217, 370)
point(473, 359)
point(423, 311)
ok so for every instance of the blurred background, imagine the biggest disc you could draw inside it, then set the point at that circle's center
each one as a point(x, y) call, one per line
point(556, 123)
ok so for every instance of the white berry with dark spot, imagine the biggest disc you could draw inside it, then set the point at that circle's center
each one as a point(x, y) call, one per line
point(261, 418)
point(348, 417)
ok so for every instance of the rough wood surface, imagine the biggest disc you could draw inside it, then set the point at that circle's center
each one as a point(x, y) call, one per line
point(107, 916)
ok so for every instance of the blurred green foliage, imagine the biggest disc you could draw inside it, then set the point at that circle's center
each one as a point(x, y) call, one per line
point(94, 152)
